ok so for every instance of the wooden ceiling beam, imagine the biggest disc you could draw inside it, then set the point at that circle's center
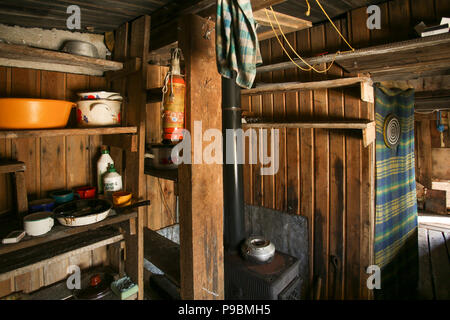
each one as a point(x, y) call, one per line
point(284, 20)
point(164, 25)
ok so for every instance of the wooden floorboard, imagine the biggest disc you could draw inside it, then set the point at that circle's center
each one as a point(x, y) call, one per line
point(425, 287)
point(440, 264)
point(447, 242)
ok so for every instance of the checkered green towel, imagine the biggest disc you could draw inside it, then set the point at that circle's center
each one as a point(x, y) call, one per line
point(237, 47)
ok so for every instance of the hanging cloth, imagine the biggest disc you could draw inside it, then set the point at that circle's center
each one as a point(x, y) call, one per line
point(396, 233)
point(237, 47)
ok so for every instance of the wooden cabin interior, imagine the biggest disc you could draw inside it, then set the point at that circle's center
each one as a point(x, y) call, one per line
point(322, 207)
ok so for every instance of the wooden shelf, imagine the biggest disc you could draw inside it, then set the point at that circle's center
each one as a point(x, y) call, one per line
point(168, 174)
point(59, 232)
point(367, 127)
point(12, 134)
point(394, 61)
point(163, 253)
point(12, 55)
point(18, 262)
point(298, 86)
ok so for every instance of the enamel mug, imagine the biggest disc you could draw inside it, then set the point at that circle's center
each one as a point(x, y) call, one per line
point(38, 223)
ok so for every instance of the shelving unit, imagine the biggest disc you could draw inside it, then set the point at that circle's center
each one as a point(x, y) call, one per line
point(367, 127)
point(21, 261)
point(168, 174)
point(12, 134)
point(298, 86)
point(12, 55)
point(60, 232)
point(394, 61)
point(118, 232)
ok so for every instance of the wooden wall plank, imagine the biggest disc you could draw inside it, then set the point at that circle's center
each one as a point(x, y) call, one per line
point(306, 154)
point(160, 192)
point(381, 36)
point(52, 149)
point(77, 147)
point(134, 170)
point(423, 159)
point(292, 142)
point(442, 8)
point(279, 111)
point(246, 168)
point(257, 184)
point(321, 172)
point(5, 146)
point(399, 20)
point(267, 112)
point(336, 260)
point(353, 202)
point(424, 11)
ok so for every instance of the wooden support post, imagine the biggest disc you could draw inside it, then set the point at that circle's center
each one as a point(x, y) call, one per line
point(21, 193)
point(423, 158)
point(367, 92)
point(201, 185)
point(134, 85)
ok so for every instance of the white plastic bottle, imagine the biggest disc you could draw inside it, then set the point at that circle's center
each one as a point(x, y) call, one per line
point(102, 167)
point(112, 181)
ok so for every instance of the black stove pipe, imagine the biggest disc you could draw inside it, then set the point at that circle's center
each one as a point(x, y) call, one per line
point(234, 230)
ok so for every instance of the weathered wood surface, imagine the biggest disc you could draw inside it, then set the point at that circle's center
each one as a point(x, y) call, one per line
point(440, 261)
point(132, 41)
point(76, 158)
point(297, 86)
point(440, 158)
point(25, 260)
point(434, 222)
point(11, 166)
point(201, 222)
point(59, 232)
point(362, 57)
point(14, 134)
point(424, 163)
point(436, 201)
point(325, 175)
point(425, 285)
point(163, 253)
point(160, 190)
point(13, 55)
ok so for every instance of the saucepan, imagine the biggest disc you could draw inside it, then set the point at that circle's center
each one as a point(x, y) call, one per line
point(84, 212)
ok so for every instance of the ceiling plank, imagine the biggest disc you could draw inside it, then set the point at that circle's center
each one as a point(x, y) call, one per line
point(284, 20)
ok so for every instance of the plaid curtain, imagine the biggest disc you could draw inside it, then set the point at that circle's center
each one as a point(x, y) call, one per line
point(396, 236)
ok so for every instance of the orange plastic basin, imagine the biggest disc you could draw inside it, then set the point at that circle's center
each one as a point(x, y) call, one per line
point(18, 113)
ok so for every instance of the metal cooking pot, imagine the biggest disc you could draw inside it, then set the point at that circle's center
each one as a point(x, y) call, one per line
point(100, 112)
point(258, 249)
point(80, 48)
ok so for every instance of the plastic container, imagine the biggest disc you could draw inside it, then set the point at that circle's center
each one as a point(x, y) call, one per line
point(102, 167)
point(112, 181)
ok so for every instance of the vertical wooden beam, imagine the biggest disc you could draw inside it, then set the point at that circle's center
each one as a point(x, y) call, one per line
point(134, 165)
point(201, 185)
point(424, 155)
